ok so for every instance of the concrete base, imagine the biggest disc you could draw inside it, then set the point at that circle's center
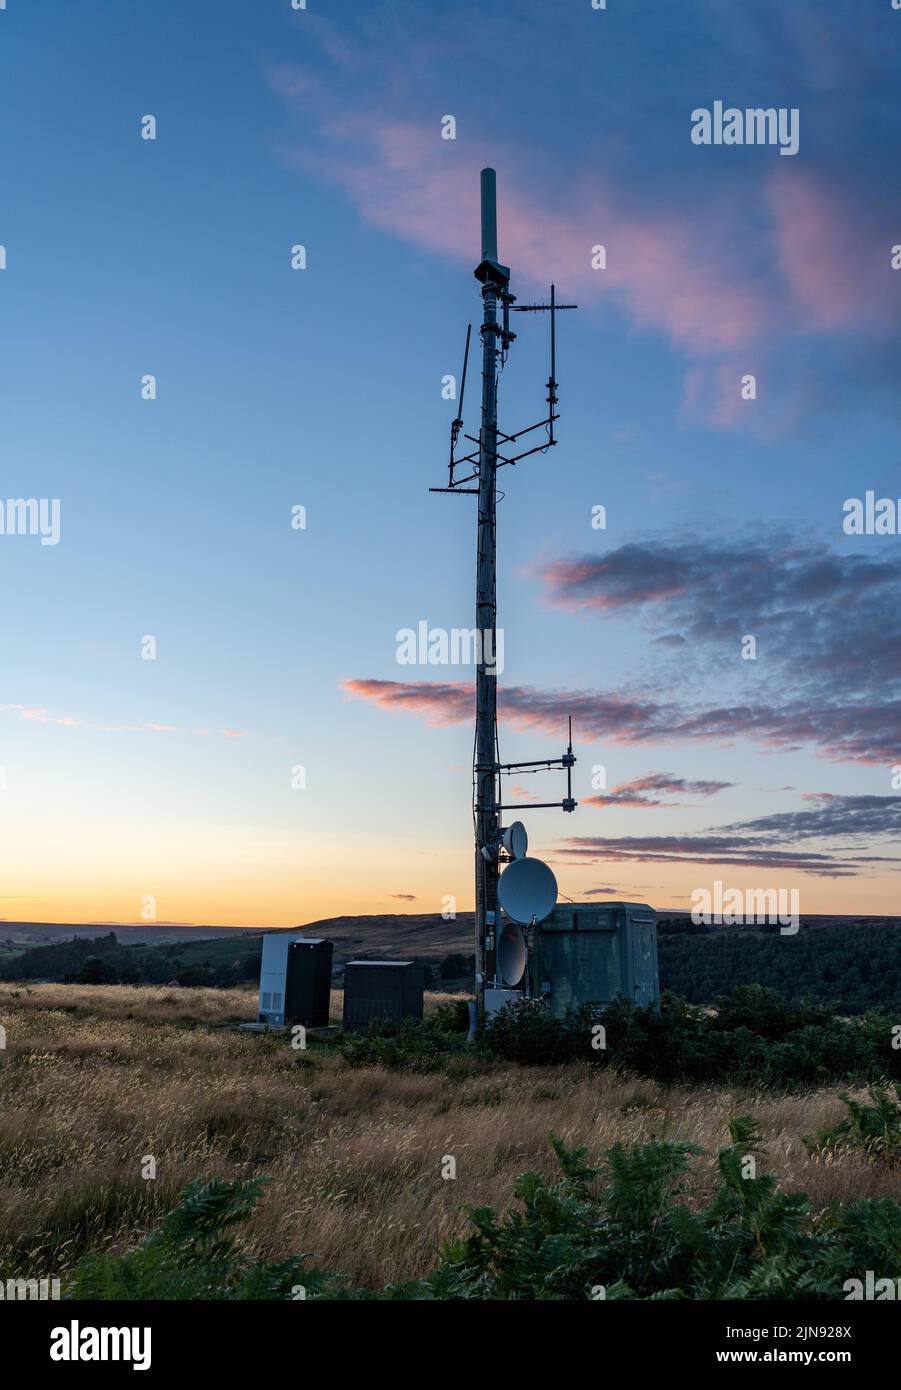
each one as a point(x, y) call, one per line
point(330, 1031)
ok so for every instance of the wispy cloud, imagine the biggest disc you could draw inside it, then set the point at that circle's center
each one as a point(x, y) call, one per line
point(636, 792)
point(733, 272)
point(850, 730)
point(441, 703)
point(827, 626)
point(38, 715)
point(756, 844)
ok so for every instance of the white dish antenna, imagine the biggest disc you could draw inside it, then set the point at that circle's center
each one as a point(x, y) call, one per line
point(527, 891)
point(516, 841)
point(512, 955)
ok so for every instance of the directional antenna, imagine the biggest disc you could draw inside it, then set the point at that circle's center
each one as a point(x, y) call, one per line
point(516, 840)
point(527, 891)
point(457, 425)
point(492, 275)
point(512, 955)
point(553, 309)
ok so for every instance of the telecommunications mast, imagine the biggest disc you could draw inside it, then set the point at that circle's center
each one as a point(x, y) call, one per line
point(483, 462)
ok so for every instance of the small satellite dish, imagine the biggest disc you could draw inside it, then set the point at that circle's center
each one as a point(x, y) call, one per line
point(527, 891)
point(512, 955)
point(516, 841)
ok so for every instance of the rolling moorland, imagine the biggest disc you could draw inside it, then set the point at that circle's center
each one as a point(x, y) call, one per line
point(98, 1081)
point(104, 1082)
point(853, 963)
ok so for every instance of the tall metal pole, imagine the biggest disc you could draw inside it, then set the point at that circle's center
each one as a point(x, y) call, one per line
point(486, 823)
point(487, 768)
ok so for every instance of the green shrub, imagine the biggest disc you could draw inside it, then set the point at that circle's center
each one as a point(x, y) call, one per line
point(623, 1229)
point(874, 1128)
point(526, 1031)
point(194, 1254)
point(193, 975)
point(451, 1017)
point(620, 1231)
point(455, 965)
point(767, 1013)
point(404, 1044)
point(754, 1036)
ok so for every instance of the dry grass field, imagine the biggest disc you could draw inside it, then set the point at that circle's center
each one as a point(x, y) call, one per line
point(95, 1079)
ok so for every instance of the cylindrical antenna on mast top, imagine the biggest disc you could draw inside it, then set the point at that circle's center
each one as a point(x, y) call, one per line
point(489, 215)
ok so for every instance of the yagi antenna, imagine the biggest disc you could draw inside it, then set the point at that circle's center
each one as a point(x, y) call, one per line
point(457, 425)
point(494, 272)
point(529, 889)
point(553, 309)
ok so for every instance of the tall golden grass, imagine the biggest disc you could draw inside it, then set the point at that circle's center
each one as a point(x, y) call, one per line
point(96, 1080)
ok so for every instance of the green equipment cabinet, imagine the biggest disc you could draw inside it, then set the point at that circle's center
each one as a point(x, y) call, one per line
point(591, 954)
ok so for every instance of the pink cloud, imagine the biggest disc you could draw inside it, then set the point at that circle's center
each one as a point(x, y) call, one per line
point(714, 393)
point(445, 704)
point(583, 583)
point(836, 267)
point(742, 271)
point(635, 792)
point(41, 716)
point(392, 173)
point(852, 731)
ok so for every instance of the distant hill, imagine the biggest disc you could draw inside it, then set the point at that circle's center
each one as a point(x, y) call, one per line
point(853, 962)
point(427, 936)
point(42, 933)
point(218, 956)
point(389, 928)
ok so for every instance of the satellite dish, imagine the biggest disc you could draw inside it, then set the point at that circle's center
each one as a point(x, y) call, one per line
point(527, 890)
point(516, 841)
point(512, 955)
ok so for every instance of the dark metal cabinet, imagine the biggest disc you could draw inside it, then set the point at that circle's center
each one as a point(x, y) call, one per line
point(381, 989)
point(589, 955)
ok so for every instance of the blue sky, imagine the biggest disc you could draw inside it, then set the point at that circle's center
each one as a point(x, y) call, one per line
point(323, 388)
